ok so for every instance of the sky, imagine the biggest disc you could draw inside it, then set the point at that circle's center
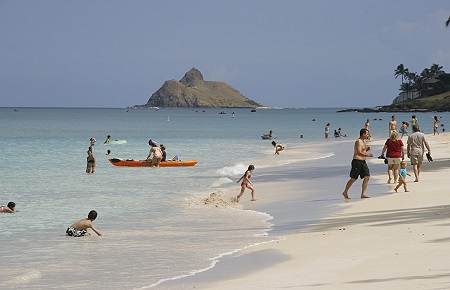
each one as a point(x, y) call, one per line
point(287, 53)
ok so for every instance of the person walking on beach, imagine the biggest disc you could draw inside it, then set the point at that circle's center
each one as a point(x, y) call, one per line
point(402, 177)
point(81, 227)
point(90, 160)
point(416, 148)
point(246, 183)
point(404, 129)
point(395, 154)
point(392, 125)
point(327, 130)
point(359, 165)
point(436, 126)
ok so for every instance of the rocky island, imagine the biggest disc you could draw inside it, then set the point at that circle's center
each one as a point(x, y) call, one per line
point(194, 92)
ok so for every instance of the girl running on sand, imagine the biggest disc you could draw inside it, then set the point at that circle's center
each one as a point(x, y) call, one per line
point(246, 183)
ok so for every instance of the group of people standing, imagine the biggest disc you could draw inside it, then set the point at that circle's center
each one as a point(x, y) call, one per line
point(395, 156)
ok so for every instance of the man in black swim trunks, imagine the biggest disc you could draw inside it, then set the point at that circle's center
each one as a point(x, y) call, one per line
point(359, 165)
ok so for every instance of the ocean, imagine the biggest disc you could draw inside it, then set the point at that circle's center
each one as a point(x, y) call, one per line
point(156, 222)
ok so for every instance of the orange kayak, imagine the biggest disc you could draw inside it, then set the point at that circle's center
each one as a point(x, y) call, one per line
point(145, 163)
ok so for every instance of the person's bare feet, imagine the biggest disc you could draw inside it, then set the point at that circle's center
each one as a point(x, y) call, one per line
point(389, 181)
point(406, 190)
point(345, 195)
point(417, 180)
point(395, 189)
point(364, 196)
point(253, 199)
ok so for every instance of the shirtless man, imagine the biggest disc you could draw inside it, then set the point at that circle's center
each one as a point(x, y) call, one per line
point(8, 208)
point(392, 125)
point(359, 165)
point(79, 228)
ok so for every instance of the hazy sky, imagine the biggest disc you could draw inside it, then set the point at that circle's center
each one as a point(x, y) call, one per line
point(287, 53)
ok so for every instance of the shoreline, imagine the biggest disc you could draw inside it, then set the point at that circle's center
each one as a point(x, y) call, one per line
point(352, 226)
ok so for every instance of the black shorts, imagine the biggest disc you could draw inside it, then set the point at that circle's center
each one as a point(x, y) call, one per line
point(359, 168)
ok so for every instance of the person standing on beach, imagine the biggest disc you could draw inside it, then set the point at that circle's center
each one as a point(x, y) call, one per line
point(366, 126)
point(392, 125)
point(413, 120)
point(415, 149)
point(327, 130)
point(79, 228)
point(359, 165)
point(246, 183)
point(436, 126)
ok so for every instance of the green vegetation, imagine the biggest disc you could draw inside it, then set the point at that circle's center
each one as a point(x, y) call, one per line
point(427, 91)
point(439, 103)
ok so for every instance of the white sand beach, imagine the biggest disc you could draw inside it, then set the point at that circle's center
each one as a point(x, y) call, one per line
point(392, 240)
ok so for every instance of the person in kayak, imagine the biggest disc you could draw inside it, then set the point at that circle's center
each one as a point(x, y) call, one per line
point(163, 150)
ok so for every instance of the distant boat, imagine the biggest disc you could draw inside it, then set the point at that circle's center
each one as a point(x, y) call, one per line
point(253, 110)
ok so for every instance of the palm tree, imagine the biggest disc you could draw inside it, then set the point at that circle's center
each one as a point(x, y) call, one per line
point(418, 84)
point(426, 73)
point(410, 76)
point(435, 68)
point(405, 88)
point(401, 71)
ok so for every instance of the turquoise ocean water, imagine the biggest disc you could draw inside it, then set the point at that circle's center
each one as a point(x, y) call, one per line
point(155, 222)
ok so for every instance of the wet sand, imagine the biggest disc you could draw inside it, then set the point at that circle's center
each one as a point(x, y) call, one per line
point(392, 240)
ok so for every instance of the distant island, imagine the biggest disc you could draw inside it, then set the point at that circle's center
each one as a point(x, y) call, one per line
point(194, 92)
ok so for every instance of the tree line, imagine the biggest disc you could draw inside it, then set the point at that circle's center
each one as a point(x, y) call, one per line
point(414, 83)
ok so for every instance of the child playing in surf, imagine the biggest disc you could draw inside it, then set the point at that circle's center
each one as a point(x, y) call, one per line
point(246, 183)
point(278, 147)
point(79, 228)
point(402, 176)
